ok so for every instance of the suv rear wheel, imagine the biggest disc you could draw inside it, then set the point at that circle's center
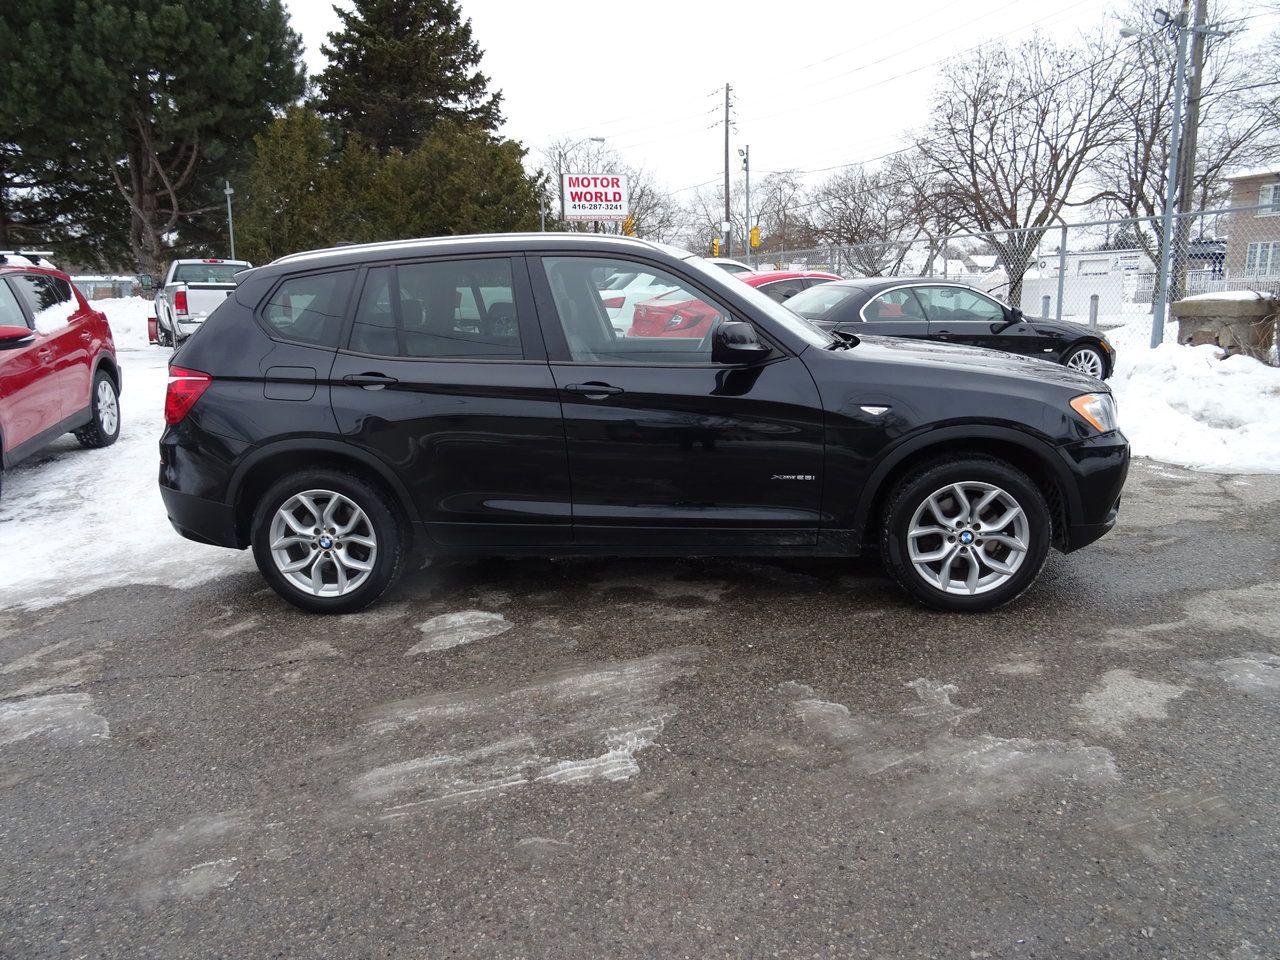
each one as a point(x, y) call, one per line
point(327, 541)
point(967, 534)
point(103, 428)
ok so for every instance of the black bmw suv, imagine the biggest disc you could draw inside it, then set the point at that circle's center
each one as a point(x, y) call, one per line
point(348, 408)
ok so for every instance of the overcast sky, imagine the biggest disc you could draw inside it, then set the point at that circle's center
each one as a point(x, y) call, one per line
point(817, 84)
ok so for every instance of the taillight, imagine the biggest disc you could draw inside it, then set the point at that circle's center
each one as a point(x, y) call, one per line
point(615, 303)
point(180, 301)
point(185, 388)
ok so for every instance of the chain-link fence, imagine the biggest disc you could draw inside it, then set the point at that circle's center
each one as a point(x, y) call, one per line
point(1101, 272)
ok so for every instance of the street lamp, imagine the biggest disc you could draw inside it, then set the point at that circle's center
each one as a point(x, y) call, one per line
point(564, 157)
point(231, 227)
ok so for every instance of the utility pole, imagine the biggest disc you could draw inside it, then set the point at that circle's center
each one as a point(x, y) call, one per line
point(1187, 161)
point(746, 169)
point(728, 219)
point(1161, 298)
point(231, 227)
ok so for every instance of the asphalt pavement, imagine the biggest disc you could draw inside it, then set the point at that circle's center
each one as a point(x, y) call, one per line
point(664, 758)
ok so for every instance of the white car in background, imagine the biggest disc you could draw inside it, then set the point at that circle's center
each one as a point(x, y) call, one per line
point(622, 291)
point(732, 266)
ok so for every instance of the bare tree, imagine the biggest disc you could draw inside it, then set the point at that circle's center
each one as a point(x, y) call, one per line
point(1232, 131)
point(1012, 135)
point(871, 214)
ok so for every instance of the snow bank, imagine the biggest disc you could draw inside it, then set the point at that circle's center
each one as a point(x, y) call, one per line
point(1231, 295)
point(128, 319)
point(1183, 405)
point(73, 520)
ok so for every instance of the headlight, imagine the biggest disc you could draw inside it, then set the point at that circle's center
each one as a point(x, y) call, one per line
point(1099, 409)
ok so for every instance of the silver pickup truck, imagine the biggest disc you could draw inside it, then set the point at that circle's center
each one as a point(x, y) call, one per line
point(192, 290)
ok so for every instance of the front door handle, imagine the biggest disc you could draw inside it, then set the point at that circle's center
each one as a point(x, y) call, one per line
point(369, 381)
point(593, 390)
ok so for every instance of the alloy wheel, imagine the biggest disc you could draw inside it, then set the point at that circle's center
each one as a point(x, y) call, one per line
point(108, 408)
point(968, 538)
point(1086, 361)
point(323, 543)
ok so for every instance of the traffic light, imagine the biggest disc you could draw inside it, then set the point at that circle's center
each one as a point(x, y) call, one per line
point(715, 246)
point(755, 237)
point(629, 227)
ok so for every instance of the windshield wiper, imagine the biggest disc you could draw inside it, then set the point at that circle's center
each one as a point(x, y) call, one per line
point(843, 340)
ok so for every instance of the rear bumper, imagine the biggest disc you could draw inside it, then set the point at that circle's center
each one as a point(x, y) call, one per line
point(204, 521)
point(1098, 468)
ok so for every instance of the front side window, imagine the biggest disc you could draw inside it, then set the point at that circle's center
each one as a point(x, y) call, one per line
point(442, 310)
point(310, 309)
point(894, 305)
point(673, 325)
point(950, 304)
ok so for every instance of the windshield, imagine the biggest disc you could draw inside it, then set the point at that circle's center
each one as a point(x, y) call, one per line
point(776, 312)
point(818, 303)
point(207, 272)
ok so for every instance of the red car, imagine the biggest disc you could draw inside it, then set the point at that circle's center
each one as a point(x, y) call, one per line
point(692, 318)
point(58, 368)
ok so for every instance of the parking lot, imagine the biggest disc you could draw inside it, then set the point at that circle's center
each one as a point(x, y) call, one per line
point(664, 758)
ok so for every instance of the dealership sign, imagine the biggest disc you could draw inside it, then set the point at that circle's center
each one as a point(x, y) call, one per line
point(595, 196)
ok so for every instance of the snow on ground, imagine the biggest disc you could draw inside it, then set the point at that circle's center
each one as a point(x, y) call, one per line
point(1183, 405)
point(73, 520)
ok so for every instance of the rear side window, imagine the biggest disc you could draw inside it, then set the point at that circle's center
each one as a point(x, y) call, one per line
point(310, 309)
point(448, 309)
point(49, 298)
point(11, 314)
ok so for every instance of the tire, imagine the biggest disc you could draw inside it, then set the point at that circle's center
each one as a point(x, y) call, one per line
point(103, 428)
point(381, 523)
point(910, 509)
point(1087, 358)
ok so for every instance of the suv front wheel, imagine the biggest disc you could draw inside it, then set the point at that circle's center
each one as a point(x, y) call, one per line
point(966, 534)
point(327, 541)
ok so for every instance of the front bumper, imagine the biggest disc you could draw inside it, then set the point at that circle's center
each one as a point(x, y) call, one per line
point(1098, 467)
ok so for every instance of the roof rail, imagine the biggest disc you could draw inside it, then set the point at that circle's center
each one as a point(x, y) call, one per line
point(34, 256)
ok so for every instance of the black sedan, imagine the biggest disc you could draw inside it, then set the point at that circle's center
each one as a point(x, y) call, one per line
point(926, 309)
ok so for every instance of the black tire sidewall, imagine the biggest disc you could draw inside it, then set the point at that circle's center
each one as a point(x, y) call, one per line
point(92, 434)
point(916, 487)
point(388, 527)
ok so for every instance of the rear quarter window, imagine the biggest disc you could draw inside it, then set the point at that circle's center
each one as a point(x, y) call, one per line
point(309, 309)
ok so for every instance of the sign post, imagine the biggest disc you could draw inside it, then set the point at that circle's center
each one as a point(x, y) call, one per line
point(595, 196)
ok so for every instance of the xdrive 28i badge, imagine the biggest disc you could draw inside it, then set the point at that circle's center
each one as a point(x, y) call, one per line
point(795, 476)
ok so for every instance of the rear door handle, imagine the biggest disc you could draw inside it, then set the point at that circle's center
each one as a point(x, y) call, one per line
point(369, 381)
point(593, 390)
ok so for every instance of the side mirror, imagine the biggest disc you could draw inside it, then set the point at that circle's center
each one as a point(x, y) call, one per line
point(14, 338)
point(1012, 315)
point(736, 342)
point(1016, 314)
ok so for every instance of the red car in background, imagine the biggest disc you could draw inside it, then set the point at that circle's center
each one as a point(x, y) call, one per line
point(673, 315)
point(58, 368)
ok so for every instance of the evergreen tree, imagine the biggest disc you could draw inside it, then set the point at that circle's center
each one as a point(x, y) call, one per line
point(397, 68)
point(301, 194)
point(150, 100)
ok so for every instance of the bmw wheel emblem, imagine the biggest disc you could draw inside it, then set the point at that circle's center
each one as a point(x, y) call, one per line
point(326, 543)
point(966, 537)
